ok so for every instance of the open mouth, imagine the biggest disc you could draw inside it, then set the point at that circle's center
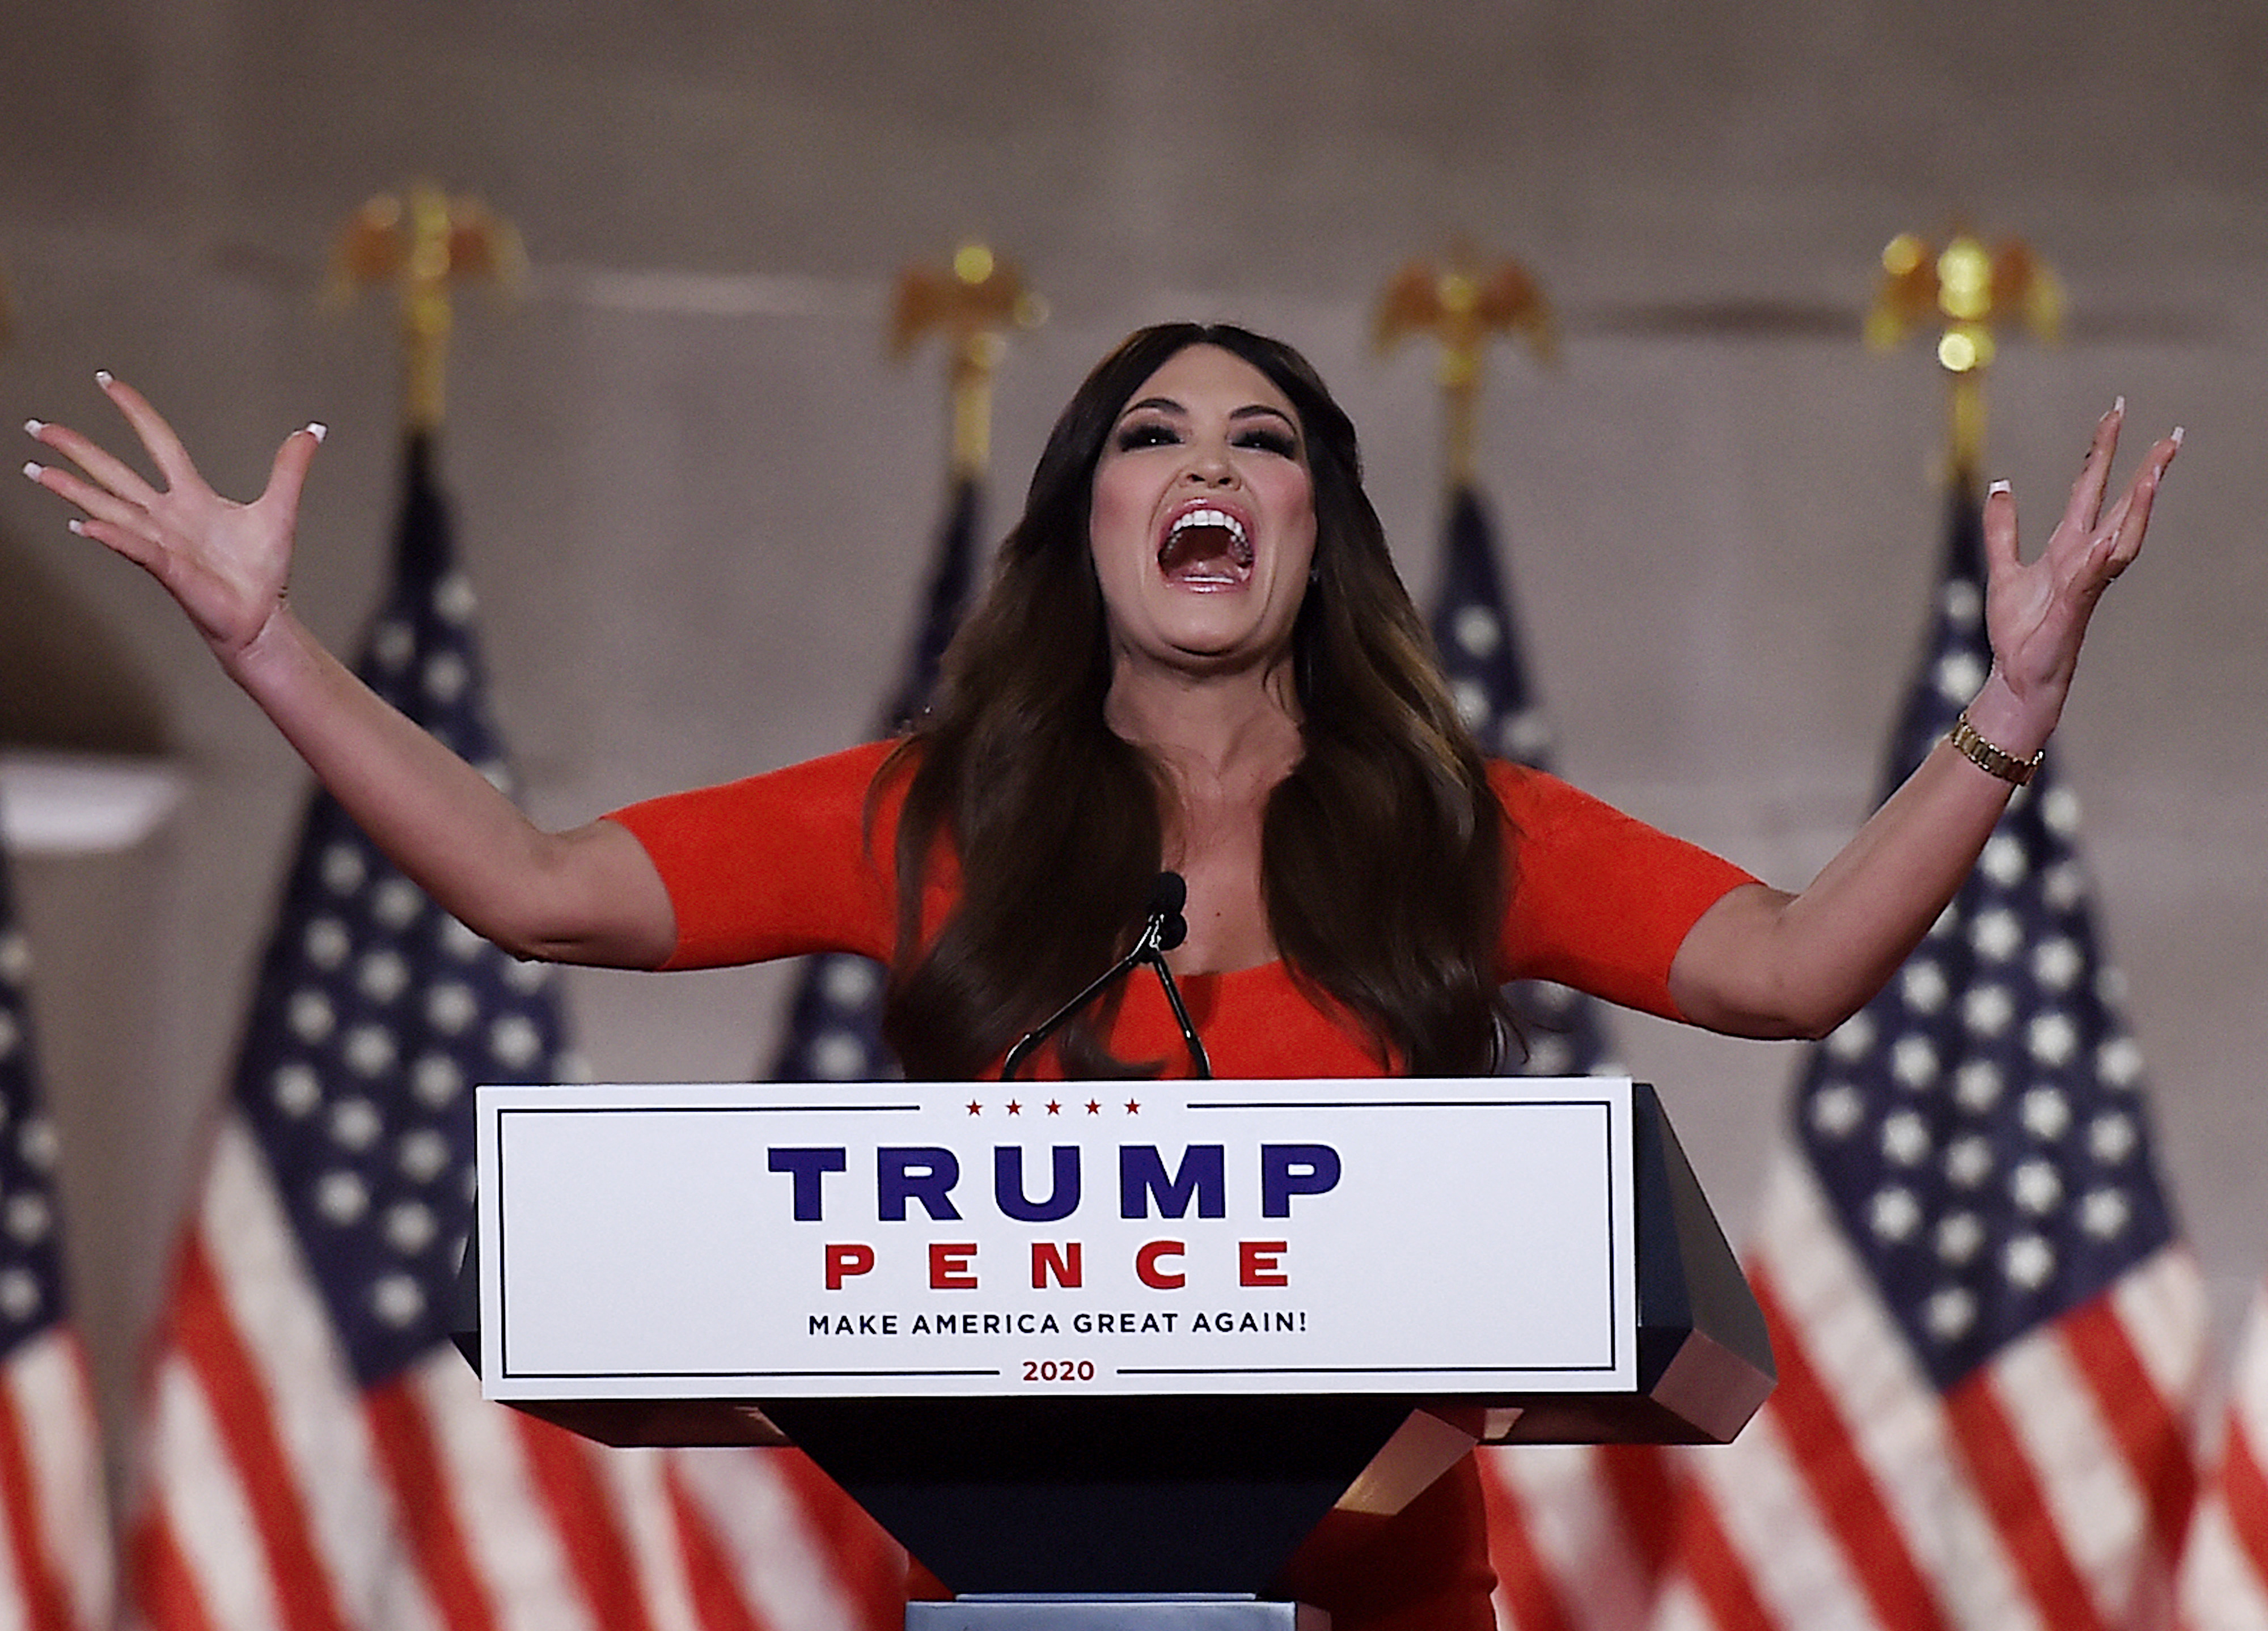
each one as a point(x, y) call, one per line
point(1206, 548)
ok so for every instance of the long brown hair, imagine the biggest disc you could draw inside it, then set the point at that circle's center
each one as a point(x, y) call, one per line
point(1056, 824)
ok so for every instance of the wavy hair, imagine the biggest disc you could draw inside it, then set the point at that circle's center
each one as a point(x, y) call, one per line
point(1056, 824)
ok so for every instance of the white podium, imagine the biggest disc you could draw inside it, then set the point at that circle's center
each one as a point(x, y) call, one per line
point(1101, 1355)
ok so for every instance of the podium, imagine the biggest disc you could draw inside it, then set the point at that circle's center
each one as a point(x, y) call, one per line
point(1103, 1355)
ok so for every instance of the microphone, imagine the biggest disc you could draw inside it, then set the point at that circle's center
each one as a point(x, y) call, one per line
point(1164, 928)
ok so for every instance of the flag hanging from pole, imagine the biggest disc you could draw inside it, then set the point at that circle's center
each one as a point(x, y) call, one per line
point(1989, 1335)
point(55, 1564)
point(835, 1020)
point(1477, 635)
point(315, 1454)
point(834, 1034)
point(1569, 1526)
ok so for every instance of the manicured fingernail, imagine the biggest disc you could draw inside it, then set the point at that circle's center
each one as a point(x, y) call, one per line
point(2177, 436)
point(1996, 489)
point(35, 471)
point(318, 430)
point(76, 525)
point(33, 427)
point(2119, 405)
point(102, 377)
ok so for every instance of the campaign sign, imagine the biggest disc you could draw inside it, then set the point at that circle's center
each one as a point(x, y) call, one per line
point(764, 1240)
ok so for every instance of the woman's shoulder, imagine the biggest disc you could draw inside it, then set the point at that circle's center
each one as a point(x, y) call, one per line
point(1527, 795)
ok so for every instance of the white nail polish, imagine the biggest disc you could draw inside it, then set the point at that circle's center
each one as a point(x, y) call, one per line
point(76, 525)
point(2176, 437)
point(102, 377)
point(1996, 489)
point(318, 430)
point(33, 427)
point(2119, 405)
point(34, 471)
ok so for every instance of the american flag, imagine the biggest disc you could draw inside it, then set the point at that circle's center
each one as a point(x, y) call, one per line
point(315, 1455)
point(56, 1559)
point(1478, 638)
point(1565, 1521)
point(2224, 1579)
point(1989, 1336)
point(835, 1020)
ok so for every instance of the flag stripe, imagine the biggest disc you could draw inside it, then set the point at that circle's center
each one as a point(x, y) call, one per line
point(1587, 1525)
point(788, 1574)
point(718, 1605)
point(871, 1566)
point(57, 1570)
point(294, 1377)
point(232, 1385)
point(53, 1393)
point(427, 1504)
point(596, 1548)
point(2222, 1588)
point(2150, 1433)
point(1842, 1486)
point(166, 1588)
point(2245, 1496)
point(199, 1518)
point(1714, 1574)
point(41, 1597)
point(2010, 1488)
point(507, 1527)
point(1646, 1494)
point(1527, 1597)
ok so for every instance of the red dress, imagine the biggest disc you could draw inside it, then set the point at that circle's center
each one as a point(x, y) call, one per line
point(784, 864)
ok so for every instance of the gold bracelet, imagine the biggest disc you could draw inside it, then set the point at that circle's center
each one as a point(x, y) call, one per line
point(1991, 761)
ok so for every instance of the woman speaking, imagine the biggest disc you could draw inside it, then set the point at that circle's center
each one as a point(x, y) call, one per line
point(1194, 654)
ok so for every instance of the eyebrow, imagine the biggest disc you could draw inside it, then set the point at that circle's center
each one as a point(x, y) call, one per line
point(1253, 410)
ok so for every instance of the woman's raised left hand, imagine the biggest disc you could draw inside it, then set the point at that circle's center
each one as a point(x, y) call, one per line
point(2037, 612)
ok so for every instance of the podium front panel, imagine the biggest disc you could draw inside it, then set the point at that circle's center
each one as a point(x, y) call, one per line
point(1053, 1240)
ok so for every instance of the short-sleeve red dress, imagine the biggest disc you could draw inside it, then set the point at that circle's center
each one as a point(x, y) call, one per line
point(787, 863)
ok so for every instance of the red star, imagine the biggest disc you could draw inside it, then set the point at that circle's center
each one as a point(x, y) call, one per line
point(1133, 1108)
point(975, 1108)
point(1015, 1109)
point(1093, 1108)
point(1054, 1109)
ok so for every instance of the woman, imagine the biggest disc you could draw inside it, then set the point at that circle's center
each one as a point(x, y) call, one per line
point(1194, 654)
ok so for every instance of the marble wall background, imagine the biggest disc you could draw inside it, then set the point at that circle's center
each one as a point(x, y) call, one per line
point(695, 498)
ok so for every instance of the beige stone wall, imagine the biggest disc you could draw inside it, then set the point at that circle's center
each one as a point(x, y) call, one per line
point(695, 499)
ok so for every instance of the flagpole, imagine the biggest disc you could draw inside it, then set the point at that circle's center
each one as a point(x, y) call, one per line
point(422, 241)
point(1966, 291)
point(971, 301)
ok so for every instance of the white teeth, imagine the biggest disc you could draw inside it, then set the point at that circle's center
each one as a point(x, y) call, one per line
point(1221, 518)
point(1212, 518)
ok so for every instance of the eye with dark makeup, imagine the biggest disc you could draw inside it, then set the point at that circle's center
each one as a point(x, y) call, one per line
point(1269, 439)
point(1145, 433)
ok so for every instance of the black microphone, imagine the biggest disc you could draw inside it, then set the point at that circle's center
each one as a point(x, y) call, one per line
point(1164, 928)
point(1167, 896)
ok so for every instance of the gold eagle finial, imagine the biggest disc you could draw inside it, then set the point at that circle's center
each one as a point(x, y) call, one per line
point(422, 241)
point(1461, 302)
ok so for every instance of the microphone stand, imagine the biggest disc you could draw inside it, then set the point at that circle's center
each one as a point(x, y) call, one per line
point(1165, 928)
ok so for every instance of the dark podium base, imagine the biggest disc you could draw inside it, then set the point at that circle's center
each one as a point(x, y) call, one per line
point(1160, 1612)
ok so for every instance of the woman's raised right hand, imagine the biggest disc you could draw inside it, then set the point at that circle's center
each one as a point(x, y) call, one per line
point(228, 564)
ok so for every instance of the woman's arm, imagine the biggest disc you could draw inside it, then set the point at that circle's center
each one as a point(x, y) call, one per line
point(589, 895)
point(1764, 963)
